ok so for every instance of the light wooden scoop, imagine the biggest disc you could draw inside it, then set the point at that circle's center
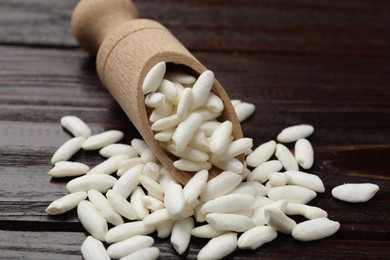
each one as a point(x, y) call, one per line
point(127, 48)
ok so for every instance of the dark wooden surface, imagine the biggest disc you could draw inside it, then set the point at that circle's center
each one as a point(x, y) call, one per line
point(325, 62)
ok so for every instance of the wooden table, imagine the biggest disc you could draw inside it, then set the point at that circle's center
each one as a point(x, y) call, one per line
point(325, 63)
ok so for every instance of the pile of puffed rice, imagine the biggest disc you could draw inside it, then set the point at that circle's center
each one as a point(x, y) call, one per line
point(130, 195)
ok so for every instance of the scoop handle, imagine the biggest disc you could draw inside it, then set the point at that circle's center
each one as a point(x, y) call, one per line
point(94, 20)
point(127, 48)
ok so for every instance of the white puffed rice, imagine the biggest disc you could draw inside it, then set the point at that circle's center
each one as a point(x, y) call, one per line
point(195, 186)
point(199, 217)
point(93, 249)
point(161, 216)
point(153, 78)
point(76, 126)
point(355, 192)
point(168, 89)
point(149, 253)
point(155, 99)
point(315, 229)
point(136, 200)
point(68, 149)
point(191, 166)
point(185, 213)
point(293, 133)
point(243, 188)
point(148, 156)
point(91, 220)
point(160, 112)
point(214, 103)
point(128, 181)
point(66, 203)
point(153, 187)
point(286, 158)
point(68, 169)
point(261, 154)
point(244, 110)
point(104, 208)
point(222, 184)
point(228, 203)
point(192, 116)
point(261, 172)
point(108, 166)
point(101, 140)
point(256, 237)
point(165, 123)
point(100, 182)
point(180, 77)
point(208, 127)
point(230, 222)
point(185, 103)
point(185, 130)
point(304, 154)
point(261, 201)
point(232, 164)
point(151, 170)
point(206, 231)
point(306, 180)
point(127, 230)
point(174, 199)
point(278, 220)
point(164, 135)
point(117, 149)
point(129, 246)
point(244, 212)
point(307, 211)
point(225, 244)
point(292, 193)
point(202, 88)
point(128, 164)
point(220, 139)
point(184, 118)
point(237, 147)
point(164, 229)
point(258, 188)
point(139, 145)
point(188, 153)
point(121, 205)
point(181, 234)
point(258, 215)
point(278, 179)
point(165, 178)
point(199, 141)
point(180, 90)
point(152, 203)
point(157, 217)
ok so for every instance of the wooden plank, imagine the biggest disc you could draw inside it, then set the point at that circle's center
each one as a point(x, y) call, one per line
point(27, 188)
point(319, 62)
point(36, 22)
point(40, 245)
point(41, 85)
point(66, 245)
point(345, 98)
point(328, 27)
point(28, 74)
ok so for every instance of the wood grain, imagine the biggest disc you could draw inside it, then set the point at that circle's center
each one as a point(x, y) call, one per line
point(60, 245)
point(320, 27)
point(324, 63)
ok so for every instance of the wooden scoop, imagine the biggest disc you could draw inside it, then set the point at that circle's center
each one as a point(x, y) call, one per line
point(127, 48)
